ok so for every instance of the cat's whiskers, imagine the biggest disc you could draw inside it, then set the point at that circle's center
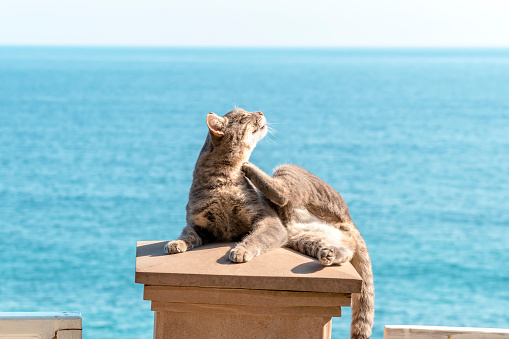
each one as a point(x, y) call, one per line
point(273, 132)
point(269, 125)
point(269, 139)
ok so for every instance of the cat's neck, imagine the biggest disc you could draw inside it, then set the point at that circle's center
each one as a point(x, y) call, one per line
point(223, 155)
point(220, 166)
point(227, 162)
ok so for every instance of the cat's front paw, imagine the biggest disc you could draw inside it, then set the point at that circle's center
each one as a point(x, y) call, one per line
point(334, 255)
point(241, 254)
point(175, 246)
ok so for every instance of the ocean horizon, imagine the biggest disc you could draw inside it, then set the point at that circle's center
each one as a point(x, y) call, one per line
point(98, 146)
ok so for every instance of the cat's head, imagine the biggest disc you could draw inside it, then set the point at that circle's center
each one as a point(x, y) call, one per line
point(237, 129)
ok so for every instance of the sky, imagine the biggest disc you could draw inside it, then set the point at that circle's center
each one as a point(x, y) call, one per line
point(352, 23)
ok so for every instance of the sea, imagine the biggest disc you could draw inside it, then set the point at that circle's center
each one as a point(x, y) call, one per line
point(98, 146)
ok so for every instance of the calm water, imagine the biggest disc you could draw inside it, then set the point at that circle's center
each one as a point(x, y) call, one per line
point(97, 148)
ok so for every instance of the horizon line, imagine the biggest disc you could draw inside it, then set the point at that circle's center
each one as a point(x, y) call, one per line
point(257, 46)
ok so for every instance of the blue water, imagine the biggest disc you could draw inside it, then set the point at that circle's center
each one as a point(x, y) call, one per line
point(97, 148)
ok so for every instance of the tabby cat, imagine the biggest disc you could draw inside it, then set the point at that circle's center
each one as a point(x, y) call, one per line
point(233, 200)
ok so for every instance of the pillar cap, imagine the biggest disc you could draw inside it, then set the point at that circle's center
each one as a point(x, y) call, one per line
point(281, 269)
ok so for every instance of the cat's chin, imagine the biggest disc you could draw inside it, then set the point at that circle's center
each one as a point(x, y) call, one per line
point(262, 129)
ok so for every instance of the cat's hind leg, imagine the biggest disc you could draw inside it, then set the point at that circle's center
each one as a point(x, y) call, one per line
point(273, 189)
point(320, 241)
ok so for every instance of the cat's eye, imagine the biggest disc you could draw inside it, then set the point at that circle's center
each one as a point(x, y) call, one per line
point(245, 117)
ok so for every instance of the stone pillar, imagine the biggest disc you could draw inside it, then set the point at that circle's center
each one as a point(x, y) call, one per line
point(280, 294)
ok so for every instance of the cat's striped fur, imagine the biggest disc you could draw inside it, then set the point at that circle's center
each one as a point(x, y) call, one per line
point(233, 200)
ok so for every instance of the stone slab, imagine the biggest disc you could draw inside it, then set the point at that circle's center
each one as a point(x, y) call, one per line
point(310, 311)
point(234, 296)
point(281, 269)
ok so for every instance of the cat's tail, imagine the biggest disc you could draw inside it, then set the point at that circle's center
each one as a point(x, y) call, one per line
point(363, 304)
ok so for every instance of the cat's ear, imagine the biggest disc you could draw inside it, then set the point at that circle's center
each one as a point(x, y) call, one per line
point(216, 124)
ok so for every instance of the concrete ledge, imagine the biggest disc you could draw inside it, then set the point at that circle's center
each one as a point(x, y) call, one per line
point(443, 332)
point(42, 325)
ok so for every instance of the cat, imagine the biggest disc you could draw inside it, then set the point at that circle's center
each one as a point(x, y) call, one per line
point(233, 200)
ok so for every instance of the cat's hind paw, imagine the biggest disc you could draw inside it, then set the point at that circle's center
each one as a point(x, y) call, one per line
point(327, 256)
point(334, 255)
point(247, 168)
point(175, 246)
point(241, 254)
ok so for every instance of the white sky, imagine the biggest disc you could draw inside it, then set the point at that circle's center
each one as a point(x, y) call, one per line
point(255, 23)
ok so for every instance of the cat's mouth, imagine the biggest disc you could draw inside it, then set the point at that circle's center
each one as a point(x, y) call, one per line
point(261, 128)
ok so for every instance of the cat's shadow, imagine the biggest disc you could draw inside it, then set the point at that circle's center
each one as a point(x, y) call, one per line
point(225, 259)
point(308, 267)
point(156, 249)
point(153, 249)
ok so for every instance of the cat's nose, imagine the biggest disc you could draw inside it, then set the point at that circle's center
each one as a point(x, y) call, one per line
point(259, 113)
